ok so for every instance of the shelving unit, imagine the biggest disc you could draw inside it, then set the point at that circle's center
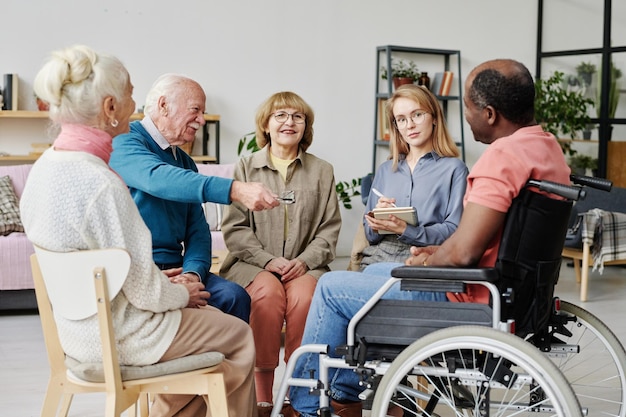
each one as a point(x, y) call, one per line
point(432, 60)
point(610, 152)
point(211, 120)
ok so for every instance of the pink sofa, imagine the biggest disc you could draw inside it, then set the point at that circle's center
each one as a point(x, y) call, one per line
point(214, 211)
point(16, 281)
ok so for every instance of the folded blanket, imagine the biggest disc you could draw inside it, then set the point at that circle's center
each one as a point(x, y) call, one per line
point(605, 231)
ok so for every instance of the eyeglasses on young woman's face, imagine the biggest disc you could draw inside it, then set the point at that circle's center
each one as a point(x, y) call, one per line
point(283, 116)
point(417, 117)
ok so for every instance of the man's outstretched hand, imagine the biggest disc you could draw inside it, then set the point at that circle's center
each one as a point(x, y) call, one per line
point(254, 195)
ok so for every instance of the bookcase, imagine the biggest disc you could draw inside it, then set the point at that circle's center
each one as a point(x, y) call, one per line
point(428, 60)
point(25, 116)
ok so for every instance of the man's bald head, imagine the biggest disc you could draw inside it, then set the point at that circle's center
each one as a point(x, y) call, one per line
point(507, 86)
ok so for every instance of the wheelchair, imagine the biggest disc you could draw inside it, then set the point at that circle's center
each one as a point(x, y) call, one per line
point(520, 355)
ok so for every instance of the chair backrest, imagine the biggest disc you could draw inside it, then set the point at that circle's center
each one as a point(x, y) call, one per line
point(67, 278)
point(55, 265)
point(614, 200)
point(529, 258)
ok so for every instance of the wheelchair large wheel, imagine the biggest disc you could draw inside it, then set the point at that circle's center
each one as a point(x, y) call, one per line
point(597, 370)
point(474, 371)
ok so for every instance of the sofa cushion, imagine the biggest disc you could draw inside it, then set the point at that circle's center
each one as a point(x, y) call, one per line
point(9, 208)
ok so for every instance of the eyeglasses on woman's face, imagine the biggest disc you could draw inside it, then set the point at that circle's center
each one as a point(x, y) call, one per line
point(416, 117)
point(283, 116)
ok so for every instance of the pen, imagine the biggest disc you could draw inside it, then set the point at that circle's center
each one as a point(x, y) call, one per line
point(379, 194)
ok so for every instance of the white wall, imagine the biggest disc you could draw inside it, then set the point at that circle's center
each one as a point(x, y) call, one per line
point(243, 51)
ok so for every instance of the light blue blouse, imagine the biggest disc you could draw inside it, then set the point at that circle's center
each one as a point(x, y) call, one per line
point(435, 188)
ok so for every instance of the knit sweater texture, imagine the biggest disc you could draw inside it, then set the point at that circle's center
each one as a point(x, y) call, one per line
point(73, 201)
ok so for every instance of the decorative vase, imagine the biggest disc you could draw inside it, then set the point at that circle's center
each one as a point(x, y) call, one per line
point(424, 80)
point(398, 81)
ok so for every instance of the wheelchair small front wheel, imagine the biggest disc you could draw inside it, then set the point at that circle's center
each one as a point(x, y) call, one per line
point(474, 371)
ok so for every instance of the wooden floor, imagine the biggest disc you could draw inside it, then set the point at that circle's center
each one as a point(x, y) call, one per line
point(24, 367)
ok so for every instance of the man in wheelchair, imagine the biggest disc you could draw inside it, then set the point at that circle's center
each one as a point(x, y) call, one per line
point(499, 106)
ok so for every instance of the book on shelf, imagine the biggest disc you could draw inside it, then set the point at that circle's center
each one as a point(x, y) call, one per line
point(442, 83)
point(446, 83)
point(435, 87)
point(408, 214)
point(10, 91)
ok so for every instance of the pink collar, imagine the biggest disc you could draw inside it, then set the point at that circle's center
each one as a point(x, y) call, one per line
point(74, 137)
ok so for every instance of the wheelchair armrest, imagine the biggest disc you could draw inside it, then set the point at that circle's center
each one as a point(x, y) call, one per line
point(446, 273)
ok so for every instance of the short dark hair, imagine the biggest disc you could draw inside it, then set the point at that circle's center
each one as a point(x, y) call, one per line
point(513, 96)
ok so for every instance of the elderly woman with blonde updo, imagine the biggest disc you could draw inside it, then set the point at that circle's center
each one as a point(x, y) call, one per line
point(73, 201)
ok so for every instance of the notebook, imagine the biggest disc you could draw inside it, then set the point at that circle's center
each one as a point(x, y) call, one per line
point(408, 214)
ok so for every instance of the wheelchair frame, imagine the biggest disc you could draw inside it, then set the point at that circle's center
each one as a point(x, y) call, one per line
point(543, 381)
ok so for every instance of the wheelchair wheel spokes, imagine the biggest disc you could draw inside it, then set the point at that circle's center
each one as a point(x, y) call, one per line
point(474, 371)
point(594, 362)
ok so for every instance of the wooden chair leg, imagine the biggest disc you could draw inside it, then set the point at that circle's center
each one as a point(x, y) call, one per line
point(577, 269)
point(144, 405)
point(585, 273)
point(218, 404)
point(66, 402)
point(54, 397)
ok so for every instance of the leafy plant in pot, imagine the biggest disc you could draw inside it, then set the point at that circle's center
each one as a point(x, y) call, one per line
point(561, 111)
point(345, 189)
point(579, 164)
point(585, 71)
point(402, 72)
point(614, 85)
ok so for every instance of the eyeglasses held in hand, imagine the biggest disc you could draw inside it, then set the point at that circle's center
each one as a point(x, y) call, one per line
point(287, 197)
point(418, 118)
point(283, 116)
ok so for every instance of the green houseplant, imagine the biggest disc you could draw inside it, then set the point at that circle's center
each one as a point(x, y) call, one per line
point(345, 189)
point(559, 110)
point(402, 72)
point(616, 74)
point(585, 71)
point(579, 163)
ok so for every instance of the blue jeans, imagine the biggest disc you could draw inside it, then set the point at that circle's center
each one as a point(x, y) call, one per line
point(338, 296)
point(228, 296)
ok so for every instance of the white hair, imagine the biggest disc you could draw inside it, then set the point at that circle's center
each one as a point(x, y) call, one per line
point(75, 81)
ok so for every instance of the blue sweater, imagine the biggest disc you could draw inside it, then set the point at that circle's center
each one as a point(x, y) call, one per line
point(168, 193)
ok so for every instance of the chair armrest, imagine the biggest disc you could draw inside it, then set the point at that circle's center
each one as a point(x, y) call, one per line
point(446, 273)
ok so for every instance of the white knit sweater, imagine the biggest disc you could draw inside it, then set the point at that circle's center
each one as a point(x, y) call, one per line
point(73, 201)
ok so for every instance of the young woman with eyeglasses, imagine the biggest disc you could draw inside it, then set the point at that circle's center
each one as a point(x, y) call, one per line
point(423, 172)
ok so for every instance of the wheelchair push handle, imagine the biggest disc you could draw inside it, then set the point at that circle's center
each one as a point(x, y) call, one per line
point(569, 192)
point(594, 182)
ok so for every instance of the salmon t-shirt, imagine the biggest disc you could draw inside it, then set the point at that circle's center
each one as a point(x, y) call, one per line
point(498, 177)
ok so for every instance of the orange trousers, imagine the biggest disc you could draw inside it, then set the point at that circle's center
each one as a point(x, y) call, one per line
point(275, 303)
point(207, 329)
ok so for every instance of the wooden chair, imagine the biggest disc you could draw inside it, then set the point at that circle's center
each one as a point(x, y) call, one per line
point(77, 285)
point(575, 248)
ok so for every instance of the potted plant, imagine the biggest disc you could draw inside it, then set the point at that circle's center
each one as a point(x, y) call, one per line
point(580, 163)
point(585, 71)
point(345, 189)
point(402, 72)
point(559, 110)
point(616, 74)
